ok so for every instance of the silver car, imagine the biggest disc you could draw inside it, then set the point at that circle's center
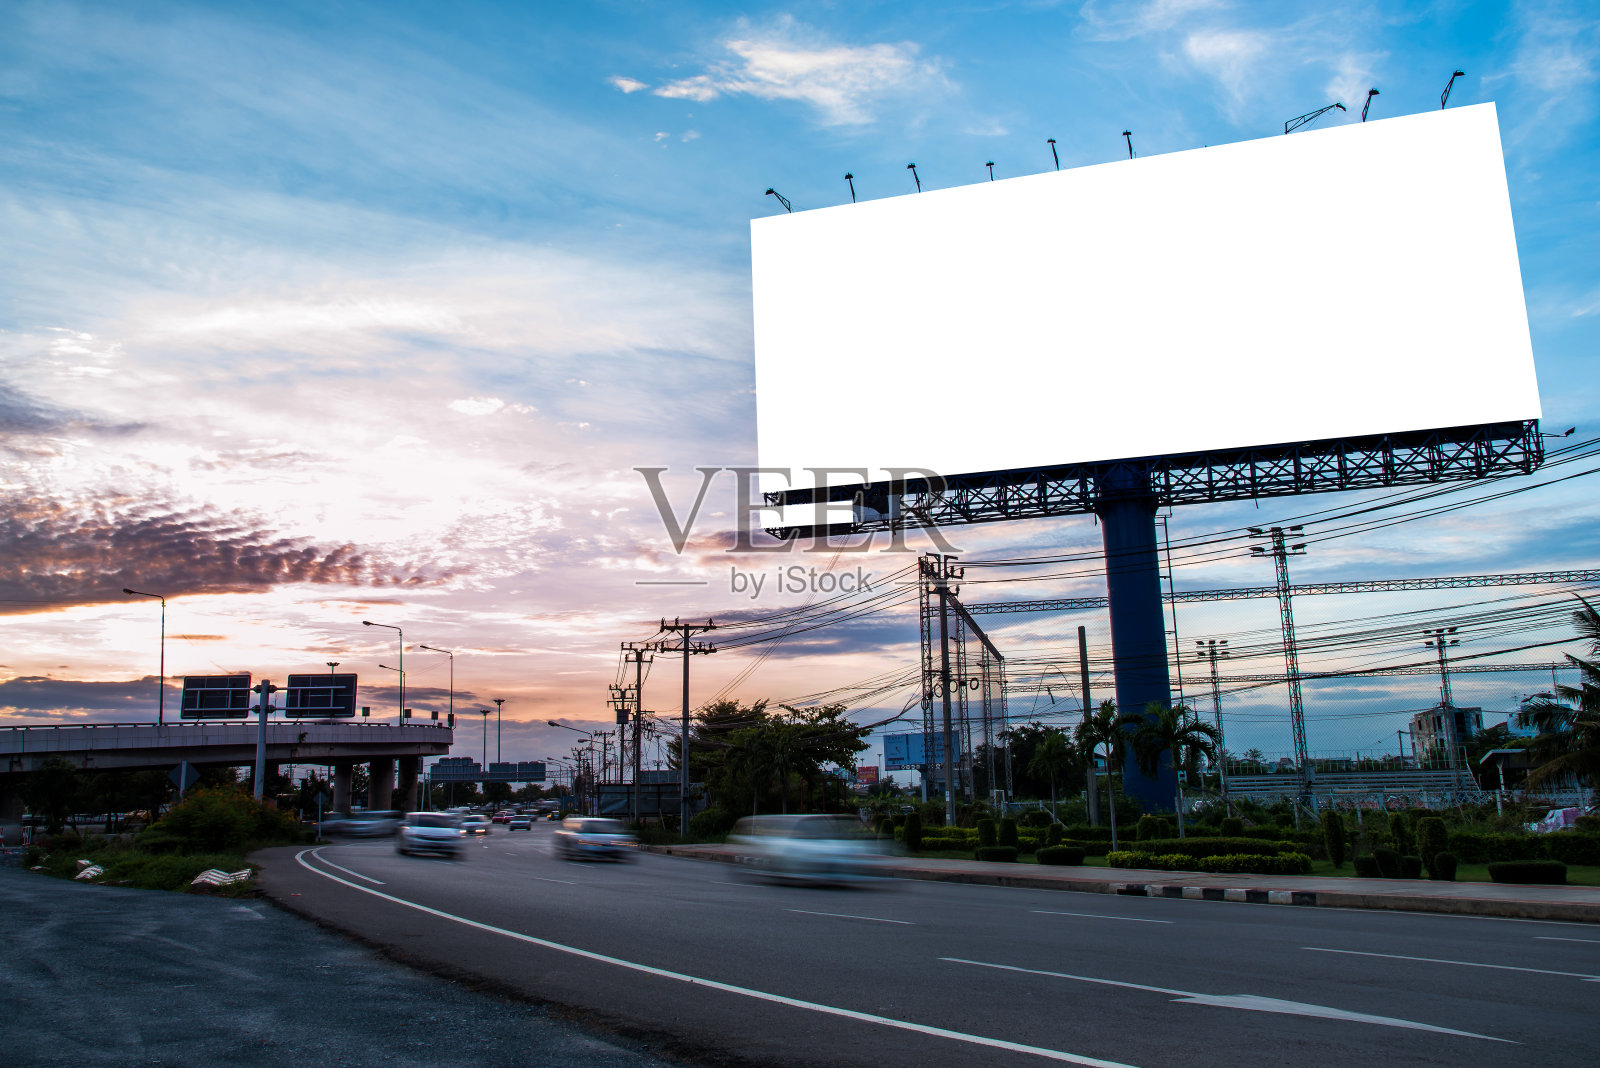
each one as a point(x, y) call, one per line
point(372, 823)
point(585, 837)
point(431, 832)
point(813, 848)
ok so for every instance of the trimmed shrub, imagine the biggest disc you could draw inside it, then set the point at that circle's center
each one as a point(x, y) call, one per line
point(912, 836)
point(1035, 817)
point(1257, 864)
point(1333, 836)
point(986, 833)
point(1443, 868)
point(1082, 832)
point(1400, 831)
point(1570, 847)
point(996, 853)
point(1152, 828)
point(1232, 827)
point(1388, 861)
point(1215, 847)
point(1551, 872)
point(1431, 840)
point(1008, 833)
point(712, 823)
point(1410, 867)
point(936, 841)
point(1061, 854)
point(886, 827)
point(1027, 843)
point(1366, 867)
point(1052, 834)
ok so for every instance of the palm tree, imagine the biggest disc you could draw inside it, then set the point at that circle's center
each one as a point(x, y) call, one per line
point(1569, 722)
point(1054, 755)
point(1103, 726)
point(1173, 736)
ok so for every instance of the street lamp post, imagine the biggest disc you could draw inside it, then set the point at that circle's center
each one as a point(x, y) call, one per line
point(161, 694)
point(484, 712)
point(452, 656)
point(499, 703)
point(400, 710)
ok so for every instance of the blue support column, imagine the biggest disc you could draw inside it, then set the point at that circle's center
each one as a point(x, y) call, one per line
point(1127, 511)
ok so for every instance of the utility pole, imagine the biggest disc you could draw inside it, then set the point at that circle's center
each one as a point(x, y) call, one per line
point(1092, 787)
point(1214, 650)
point(688, 647)
point(938, 572)
point(264, 706)
point(499, 703)
point(1280, 551)
point(1440, 639)
point(634, 654)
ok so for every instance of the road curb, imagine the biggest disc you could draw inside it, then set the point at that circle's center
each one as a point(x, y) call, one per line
point(1520, 909)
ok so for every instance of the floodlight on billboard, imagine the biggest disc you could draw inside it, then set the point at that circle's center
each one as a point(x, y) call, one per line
point(1357, 280)
point(215, 697)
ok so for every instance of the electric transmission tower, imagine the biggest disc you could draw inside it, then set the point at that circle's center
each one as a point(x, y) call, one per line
point(1279, 549)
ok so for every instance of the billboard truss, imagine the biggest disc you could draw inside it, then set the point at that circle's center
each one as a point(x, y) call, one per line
point(1370, 462)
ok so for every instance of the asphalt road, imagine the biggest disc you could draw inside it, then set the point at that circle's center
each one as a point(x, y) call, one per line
point(102, 975)
point(919, 973)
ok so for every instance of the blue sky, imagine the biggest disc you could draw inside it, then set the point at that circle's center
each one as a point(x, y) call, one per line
point(310, 313)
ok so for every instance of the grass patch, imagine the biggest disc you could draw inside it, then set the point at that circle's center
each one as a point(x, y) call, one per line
point(126, 865)
point(1577, 874)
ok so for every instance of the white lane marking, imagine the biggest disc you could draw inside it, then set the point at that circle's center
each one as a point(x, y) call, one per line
point(318, 854)
point(1553, 938)
point(711, 984)
point(847, 916)
point(1098, 916)
point(1458, 963)
point(542, 879)
point(1249, 1002)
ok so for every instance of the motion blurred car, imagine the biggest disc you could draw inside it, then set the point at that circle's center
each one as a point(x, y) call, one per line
point(475, 824)
point(808, 848)
point(520, 822)
point(503, 816)
point(374, 823)
point(589, 838)
point(431, 832)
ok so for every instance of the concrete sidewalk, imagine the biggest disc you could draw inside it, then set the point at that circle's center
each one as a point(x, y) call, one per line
point(1579, 904)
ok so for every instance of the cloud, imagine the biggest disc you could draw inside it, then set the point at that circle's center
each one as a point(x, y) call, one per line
point(626, 84)
point(52, 552)
point(790, 62)
point(1122, 20)
point(1230, 56)
point(38, 693)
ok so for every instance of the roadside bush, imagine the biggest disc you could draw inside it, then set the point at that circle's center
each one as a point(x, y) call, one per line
point(1443, 868)
point(1152, 828)
point(1400, 831)
point(1257, 864)
point(1410, 867)
point(936, 841)
point(998, 853)
point(1431, 840)
point(1082, 832)
point(932, 813)
point(221, 821)
point(1551, 872)
point(1388, 861)
point(1232, 827)
point(1028, 843)
point(1366, 867)
point(1333, 836)
point(1035, 817)
point(912, 835)
point(1008, 833)
point(986, 833)
point(1052, 834)
point(886, 828)
point(712, 823)
point(1061, 854)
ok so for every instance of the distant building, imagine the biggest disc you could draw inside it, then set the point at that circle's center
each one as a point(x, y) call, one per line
point(1438, 733)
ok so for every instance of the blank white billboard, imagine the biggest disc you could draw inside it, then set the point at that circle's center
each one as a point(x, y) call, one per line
point(1356, 280)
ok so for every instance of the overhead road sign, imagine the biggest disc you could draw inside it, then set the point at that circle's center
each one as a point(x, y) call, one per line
point(215, 697)
point(320, 696)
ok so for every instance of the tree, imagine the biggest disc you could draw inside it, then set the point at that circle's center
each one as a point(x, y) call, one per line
point(1054, 757)
point(51, 790)
point(1173, 736)
point(1103, 727)
point(747, 755)
point(1568, 722)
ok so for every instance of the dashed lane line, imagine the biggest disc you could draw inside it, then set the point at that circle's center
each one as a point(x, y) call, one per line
point(1458, 963)
point(729, 988)
point(1098, 916)
point(847, 916)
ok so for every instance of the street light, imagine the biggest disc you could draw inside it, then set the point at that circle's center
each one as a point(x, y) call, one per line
point(484, 712)
point(400, 709)
point(452, 657)
point(499, 703)
point(161, 694)
point(331, 665)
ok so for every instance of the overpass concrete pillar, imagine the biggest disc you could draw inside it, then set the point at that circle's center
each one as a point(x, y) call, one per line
point(380, 784)
point(341, 787)
point(410, 766)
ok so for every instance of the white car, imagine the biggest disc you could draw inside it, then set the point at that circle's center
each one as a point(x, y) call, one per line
point(431, 832)
point(585, 836)
point(811, 848)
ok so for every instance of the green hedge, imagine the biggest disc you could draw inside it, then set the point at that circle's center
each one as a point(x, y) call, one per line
point(999, 853)
point(1552, 872)
point(1568, 847)
point(1061, 854)
point(1215, 847)
point(1229, 863)
point(1443, 868)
